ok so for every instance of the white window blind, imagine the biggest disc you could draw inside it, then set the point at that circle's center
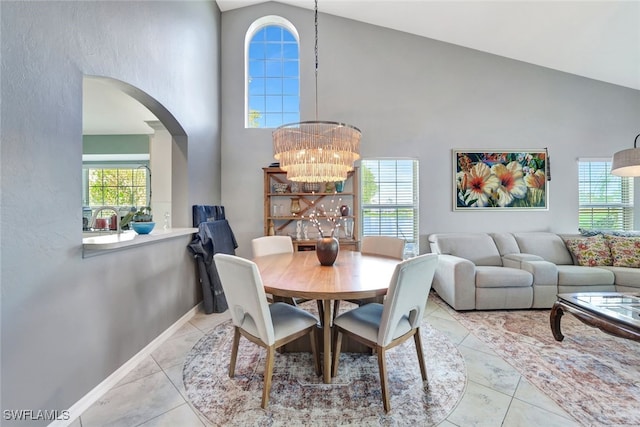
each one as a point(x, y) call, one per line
point(605, 200)
point(390, 199)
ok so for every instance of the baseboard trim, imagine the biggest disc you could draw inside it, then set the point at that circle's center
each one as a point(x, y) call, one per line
point(98, 391)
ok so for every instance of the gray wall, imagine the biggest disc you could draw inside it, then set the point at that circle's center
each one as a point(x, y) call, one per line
point(420, 98)
point(69, 322)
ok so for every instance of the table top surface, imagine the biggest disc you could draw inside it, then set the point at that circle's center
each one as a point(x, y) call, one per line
point(300, 274)
point(621, 307)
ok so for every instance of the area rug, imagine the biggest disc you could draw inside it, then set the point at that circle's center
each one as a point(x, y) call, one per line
point(593, 376)
point(299, 397)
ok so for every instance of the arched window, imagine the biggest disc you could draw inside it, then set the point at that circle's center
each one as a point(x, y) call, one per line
point(272, 68)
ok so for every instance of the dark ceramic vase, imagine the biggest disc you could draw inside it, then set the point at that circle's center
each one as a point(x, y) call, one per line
point(327, 250)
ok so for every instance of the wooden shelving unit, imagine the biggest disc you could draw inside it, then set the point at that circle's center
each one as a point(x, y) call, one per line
point(284, 222)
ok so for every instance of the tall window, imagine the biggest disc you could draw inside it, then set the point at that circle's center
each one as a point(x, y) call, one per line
point(390, 200)
point(605, 200)
point(115, 185)
point(272, 73)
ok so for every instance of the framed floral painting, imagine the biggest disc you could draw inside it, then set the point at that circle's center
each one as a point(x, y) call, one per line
point(500, 180)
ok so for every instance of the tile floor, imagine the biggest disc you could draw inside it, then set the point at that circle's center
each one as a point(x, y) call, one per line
point(153, 394)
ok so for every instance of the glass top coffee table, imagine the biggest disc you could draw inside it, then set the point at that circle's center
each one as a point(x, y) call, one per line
point(612, 312)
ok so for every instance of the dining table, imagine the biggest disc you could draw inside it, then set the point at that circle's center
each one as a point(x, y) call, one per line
point(299, 275)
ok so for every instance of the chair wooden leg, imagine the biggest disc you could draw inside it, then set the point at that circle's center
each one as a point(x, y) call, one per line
point(418, 340)
point(234, 351)
point(268, 373)
point(336, 308)
point(314, 350)
point(337, 345)
point(382, 366)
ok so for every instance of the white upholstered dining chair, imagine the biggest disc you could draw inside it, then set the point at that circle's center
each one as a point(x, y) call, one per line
point(267, 325)
point(384, 326)
point(387, 246)
point(270, 245)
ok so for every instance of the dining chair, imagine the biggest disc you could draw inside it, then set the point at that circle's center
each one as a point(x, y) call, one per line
point(270, 245)
point(392, 247)
point(387, 246)
point(384, 326)
point(268, 325)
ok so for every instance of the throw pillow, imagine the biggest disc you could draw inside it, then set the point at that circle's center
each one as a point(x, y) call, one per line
point(624, 250)
point(590, 251)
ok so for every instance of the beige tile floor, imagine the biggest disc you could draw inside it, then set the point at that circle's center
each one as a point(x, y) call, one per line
point(153, 394)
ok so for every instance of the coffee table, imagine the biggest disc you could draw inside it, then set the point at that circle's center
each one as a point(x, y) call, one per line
point(612, 312)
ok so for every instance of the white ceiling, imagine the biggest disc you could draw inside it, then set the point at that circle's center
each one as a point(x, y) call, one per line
point(595, 39)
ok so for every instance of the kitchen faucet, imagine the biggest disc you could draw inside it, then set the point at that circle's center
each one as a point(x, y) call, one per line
point(102, 208)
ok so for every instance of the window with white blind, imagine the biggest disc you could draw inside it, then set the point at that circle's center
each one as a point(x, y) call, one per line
point(390, 200)
point(605, 200)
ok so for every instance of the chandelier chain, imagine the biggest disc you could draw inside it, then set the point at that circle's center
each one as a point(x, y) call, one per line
point(316, 52)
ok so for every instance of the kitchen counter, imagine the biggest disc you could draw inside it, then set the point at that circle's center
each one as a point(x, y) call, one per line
point(98, 245)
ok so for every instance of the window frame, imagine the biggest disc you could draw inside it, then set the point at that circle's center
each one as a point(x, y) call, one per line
point(622, 206)
point(412, 238)
point(118, 165)
point(293, 116)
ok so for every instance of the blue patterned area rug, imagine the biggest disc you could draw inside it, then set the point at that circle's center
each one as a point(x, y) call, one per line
point(299, 397)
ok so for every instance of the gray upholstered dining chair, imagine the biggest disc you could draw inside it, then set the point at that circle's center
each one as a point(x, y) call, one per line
point(384, 326)
point(268, 325)
point(270, 245)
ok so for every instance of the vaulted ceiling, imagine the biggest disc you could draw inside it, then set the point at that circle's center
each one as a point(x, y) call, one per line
point(595, 39)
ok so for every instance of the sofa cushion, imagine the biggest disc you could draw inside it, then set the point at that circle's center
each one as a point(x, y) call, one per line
point(626, 276)
point(590, 251)
point(502, 277)
point(506, 243)
point(549, 246)
point(575, 275)
point(478, 248)
point(624, 250)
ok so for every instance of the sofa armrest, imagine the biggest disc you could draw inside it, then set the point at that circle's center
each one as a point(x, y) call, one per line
point(455, 281)
point(515, 260)
point(545, 273)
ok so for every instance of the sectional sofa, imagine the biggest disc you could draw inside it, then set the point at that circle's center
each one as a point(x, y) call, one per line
point(489, 271)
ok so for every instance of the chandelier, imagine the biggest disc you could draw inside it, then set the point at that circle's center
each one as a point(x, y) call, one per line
point(316, 151)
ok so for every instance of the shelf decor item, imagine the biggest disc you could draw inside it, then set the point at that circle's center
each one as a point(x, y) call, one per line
point(327, 249)
point(339, 186)
point(316, 151)
point(295, 205)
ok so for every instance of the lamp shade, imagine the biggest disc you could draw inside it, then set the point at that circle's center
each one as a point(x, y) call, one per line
point(627, 162)
point(316, 151)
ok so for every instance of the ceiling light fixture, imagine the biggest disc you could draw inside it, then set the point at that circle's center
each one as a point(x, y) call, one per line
point(316, 151)
point(627, 162)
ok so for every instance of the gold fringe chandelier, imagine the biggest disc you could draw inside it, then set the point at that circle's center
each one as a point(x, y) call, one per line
point(316, 151)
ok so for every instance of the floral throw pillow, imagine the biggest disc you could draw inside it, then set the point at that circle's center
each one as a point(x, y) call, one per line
point(590, 251)
point(625, 251)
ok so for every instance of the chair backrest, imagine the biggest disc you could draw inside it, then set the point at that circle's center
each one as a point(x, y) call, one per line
point(245, 295)
point(388, 246)
point(407, 295)
point(269, 245)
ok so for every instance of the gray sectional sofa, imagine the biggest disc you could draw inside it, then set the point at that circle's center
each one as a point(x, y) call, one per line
point(489, 271)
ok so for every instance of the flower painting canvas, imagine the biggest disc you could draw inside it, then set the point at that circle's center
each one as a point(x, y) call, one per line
point(500, 180)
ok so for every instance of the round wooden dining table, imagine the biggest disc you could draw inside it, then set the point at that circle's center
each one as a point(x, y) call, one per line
point(300, 275)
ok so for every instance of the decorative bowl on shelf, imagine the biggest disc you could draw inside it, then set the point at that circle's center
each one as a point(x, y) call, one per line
point(142, 227)
point(280, 187)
